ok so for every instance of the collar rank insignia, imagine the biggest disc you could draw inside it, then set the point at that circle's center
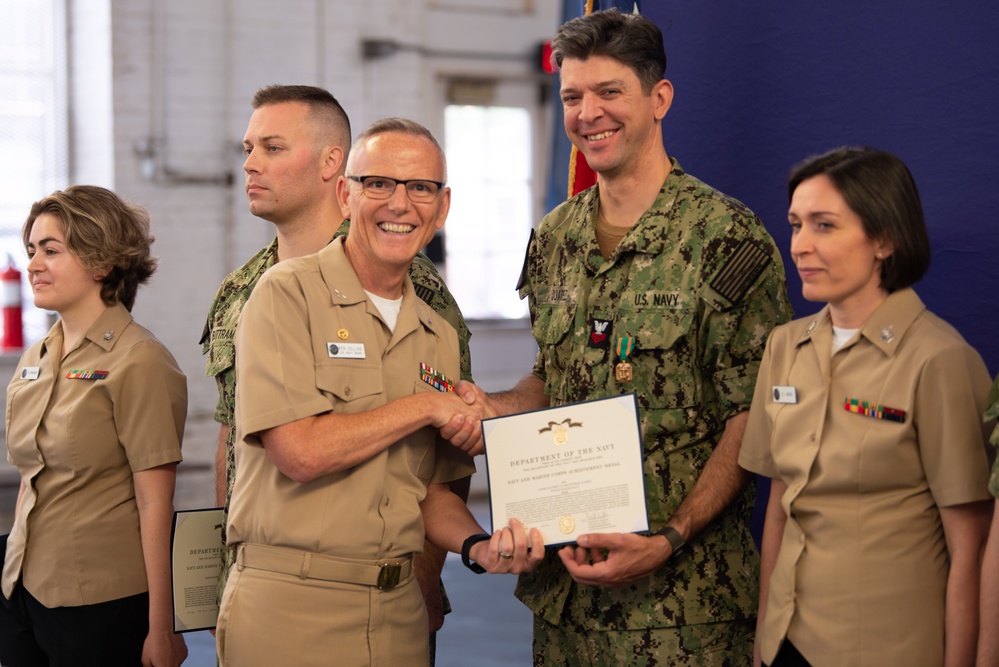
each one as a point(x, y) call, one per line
point(600, 334)
point(76, 374)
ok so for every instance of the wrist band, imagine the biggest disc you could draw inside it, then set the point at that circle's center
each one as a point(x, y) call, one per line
point(467, 546)
point(673, 537)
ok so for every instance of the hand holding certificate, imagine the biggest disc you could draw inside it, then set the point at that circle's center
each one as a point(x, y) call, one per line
point(568, 470)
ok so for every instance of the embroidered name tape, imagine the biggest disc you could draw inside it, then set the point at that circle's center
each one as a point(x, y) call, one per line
point(345, 350)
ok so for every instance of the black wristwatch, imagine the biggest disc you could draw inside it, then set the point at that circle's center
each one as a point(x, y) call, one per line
point(673, 537)
point(467, 546)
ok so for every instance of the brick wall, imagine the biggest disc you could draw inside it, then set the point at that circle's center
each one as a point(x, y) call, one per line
point(160, 101)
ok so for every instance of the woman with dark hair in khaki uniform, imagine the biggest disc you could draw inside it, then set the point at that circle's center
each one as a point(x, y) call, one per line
point(95, 417)
point(867, 417)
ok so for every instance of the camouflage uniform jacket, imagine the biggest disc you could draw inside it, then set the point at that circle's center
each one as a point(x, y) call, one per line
point(992, 412)
point(697, 284)
point(220, 329)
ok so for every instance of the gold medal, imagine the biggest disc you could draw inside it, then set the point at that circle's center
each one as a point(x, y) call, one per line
point(622, 371)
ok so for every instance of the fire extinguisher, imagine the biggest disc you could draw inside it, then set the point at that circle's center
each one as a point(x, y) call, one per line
point(13, 331)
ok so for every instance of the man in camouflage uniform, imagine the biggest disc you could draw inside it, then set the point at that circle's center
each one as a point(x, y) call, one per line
point(650, 282)
point(296, 146)
point(988, 637)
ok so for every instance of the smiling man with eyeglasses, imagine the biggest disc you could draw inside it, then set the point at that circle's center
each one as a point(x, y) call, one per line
point(389, 224)
point(343, 389)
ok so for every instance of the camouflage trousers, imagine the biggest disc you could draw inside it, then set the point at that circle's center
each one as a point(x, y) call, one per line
point(728, 644)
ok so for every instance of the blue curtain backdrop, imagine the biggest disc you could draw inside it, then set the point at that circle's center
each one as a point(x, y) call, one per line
point(761, 86)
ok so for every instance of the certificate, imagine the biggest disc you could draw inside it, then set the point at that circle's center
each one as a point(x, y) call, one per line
point(196, 561)
point(568, 470)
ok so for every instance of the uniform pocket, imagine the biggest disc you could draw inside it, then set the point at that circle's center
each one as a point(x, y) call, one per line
point(221, 352)
point(663, 360)
point(347, 381)
point(552, 329)
point(421, 455)
point(552, 324)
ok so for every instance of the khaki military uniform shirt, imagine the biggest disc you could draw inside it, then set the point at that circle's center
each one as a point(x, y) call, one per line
point(77, 428)
point(862, 568)
point(309, 342)
point(217, 339)
point(696, 284)
point(218, 343)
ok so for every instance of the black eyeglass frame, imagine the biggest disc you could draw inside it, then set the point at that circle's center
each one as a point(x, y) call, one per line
point(398, 182)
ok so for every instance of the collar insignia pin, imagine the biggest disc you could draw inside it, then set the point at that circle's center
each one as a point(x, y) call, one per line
point(811, 327)
point(887, 334)
point(109, 335)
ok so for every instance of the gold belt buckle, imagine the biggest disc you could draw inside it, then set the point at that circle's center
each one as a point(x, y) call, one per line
point(389, 575)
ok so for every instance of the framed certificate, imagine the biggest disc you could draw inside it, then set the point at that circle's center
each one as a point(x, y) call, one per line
point(568, 470)
point(196, 563)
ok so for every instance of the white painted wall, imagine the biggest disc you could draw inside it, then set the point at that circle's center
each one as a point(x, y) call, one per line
point(178, 76)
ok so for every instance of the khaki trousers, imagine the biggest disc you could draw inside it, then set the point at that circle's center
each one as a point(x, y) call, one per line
point(269, 618)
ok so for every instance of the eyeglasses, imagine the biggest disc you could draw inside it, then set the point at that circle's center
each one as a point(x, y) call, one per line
point(383, 187)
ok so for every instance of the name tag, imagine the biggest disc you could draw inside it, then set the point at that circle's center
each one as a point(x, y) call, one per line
point(785, 394)
point(29, 373)
point(345, 350)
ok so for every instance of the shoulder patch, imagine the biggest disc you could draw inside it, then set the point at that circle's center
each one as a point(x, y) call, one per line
point(740, 271)
point(425, 292)
point(426, 282)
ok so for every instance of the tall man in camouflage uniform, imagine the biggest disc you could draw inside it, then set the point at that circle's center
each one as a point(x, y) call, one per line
point(655, 283)
point(296, 147)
